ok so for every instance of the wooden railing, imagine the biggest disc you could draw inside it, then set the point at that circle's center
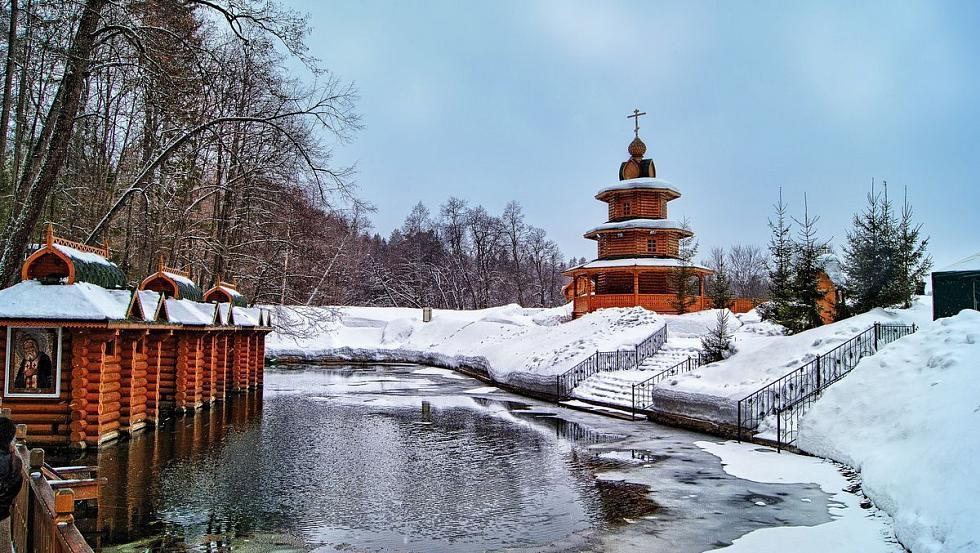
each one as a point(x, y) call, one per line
point(661, 303)
point(42, 519)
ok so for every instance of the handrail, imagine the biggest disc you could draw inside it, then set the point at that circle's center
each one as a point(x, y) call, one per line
point(643, 391)
point(807, 381)
point(602, 361)
point(41, 518)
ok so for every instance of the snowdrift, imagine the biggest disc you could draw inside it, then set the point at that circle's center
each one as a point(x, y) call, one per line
point(712, 392)
point(512, 345)
point(908, 418)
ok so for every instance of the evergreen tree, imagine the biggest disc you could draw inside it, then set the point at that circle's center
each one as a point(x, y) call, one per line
point(780, 264)
point(683, 279)
point(911, 262)
point(807, 293)
point(717, 343)
point(720, 287)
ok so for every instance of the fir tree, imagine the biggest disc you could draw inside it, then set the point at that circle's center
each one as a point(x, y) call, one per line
point(683, 279)
point(864, 257)
point(720, 287)
point(806, 310)
point(911, 262)
point(717, 343)
point(781, 264)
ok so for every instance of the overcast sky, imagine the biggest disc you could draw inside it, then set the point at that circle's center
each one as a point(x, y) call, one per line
point(495, 101)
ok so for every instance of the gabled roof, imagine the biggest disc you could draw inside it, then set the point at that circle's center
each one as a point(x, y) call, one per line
point(190, 313)
point(223, 292)
point(149, 305)
point(74, 302)
point(247, 316)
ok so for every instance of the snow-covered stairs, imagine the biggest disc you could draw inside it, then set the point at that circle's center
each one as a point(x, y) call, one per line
point(616, 387)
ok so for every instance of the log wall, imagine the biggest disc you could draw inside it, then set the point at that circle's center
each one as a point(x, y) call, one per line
point(648, 204)
point(115, 382)
point(636, 243)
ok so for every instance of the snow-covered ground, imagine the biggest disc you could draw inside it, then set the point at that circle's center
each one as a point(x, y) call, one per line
point(908, 418)
point(508, 342)
point(711, 392)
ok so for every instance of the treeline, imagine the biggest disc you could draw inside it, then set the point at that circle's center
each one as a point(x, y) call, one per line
point(463, 257)
point(177, 129)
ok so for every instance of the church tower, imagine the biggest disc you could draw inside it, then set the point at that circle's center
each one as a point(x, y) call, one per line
point(639, 245)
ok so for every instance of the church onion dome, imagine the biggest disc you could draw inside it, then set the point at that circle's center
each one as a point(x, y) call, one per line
point(637, 148)
point(639, 184)
point(639, 224)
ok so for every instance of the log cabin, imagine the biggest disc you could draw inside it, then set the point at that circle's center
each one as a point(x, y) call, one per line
point(87, 360)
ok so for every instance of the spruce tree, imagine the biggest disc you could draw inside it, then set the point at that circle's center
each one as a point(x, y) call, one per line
point(780, 264)
point(911, 262)
point(807, 293)
point(717, 343)
point(720, 286)
point(683, 279)
point(864, 255)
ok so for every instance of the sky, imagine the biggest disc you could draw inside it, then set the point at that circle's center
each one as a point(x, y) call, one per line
point(521, 100)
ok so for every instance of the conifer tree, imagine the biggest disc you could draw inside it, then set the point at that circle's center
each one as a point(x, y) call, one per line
point(864, 256)
point(911, 262)
point(720, 287)
point(780, 264)
point(717, 343)
point(807, 293)
point(682, 279)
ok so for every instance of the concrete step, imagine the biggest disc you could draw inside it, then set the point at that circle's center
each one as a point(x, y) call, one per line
point(600, 408)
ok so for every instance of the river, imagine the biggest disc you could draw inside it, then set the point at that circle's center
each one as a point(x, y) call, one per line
point(408, 458)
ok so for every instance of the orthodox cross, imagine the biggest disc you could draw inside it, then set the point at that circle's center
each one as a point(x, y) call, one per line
point(636, 121)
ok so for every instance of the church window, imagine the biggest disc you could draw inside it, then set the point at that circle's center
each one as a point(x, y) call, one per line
point(626, 208)
point(651, 245)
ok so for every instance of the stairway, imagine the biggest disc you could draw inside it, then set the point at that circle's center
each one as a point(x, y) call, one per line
point(616, 387)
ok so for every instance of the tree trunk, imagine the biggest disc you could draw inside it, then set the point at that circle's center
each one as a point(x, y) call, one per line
point(8, 85)
point(59, 121)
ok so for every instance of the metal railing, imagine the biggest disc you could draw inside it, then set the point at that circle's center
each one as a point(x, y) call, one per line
point(602, 361)
point(643, 391)
point(787, 398)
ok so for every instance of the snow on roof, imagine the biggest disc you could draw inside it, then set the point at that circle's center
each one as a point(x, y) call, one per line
point(190, 312)
point(831, 265)
point(247, 316)
point(72, 302)
point(230, 291)
point(971, 263)
point(86, 257)
point(636, 262)
point(180, 278)
point(638, 224)
point(150, 302)
point(224, 312)
point(644, 182)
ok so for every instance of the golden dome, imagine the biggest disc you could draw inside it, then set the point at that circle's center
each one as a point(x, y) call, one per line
point(637, 148)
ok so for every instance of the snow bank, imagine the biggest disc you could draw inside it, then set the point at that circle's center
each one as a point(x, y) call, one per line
point(712, 391)
point(512, 344)
point(907, 417)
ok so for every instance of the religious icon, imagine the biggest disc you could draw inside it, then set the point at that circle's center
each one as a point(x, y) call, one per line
point(33, 362)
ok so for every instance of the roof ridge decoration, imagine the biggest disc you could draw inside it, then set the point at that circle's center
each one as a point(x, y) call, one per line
point(62, 261)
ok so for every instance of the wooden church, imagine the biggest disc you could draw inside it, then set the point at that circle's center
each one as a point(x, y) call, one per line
point(639, 246)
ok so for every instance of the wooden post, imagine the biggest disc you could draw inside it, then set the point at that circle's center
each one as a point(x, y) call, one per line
point(64, 506)
point(36, 459)
point(636, 287)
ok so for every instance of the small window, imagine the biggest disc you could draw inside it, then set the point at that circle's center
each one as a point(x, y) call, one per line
point(626, 208)
point(651, 245)
point(110, 348)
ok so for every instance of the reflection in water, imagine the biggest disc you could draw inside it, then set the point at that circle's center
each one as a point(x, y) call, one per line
point(327, 460)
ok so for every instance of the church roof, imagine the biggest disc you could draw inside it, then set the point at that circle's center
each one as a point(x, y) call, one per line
point(82, 301)
point(636, 262)
point(644, 183)
point(638, 224)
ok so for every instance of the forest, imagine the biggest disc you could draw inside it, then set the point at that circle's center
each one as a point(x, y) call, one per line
point(178, 129)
